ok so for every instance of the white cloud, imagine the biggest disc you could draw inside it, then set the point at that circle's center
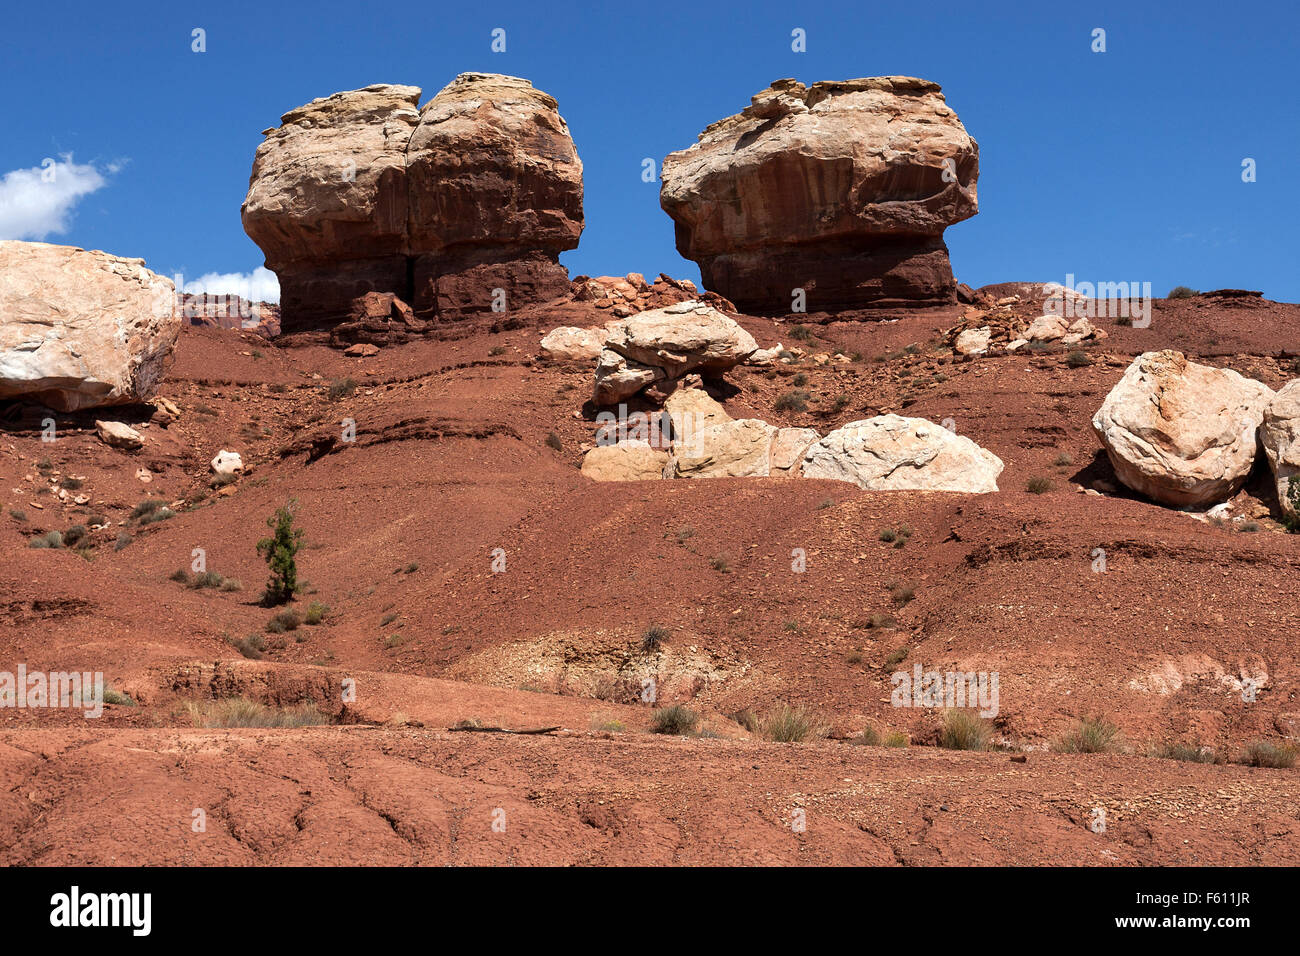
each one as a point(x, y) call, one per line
point(39, 201)
point(260, 285)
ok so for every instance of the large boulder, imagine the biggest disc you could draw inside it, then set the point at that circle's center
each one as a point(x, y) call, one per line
point(842, 189)
point(80, 329)
point(478, 191)
point(892, 453)
point(730, 449)
point(1279, 433)
point(668, 343)
point(631, 460)
point(1181, 433)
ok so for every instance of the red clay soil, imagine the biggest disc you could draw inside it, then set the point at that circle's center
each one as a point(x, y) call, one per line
point(454, 459)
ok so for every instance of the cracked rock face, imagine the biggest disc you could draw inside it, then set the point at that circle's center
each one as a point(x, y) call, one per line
point(842, 189)
point(1181, 433)
point(893, 453)
point(79, 328)
point(1280, 436)
point(478, 191)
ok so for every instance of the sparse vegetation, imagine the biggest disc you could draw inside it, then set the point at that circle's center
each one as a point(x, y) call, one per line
point(653, 638)
point(340, 388)
point(1093, 735)
point(1078, 359)
point(250, 646)
point(1188, 753)
point(496, 350)
point(901, 593)
point(316, 612)
point(895, 739)
point(118, 698)
point(17, 515)
point(206, 579)
point(279, 551)
point(1291, 519)
point(898, 537)
point(242, 712)
point(677, 719)
point(825, 503)
point(51, 539)
point(1265, 753)
point(286, 620)
point(1039, 485)
point(881, 620)
point(553, 441)
point(1063, 460)
point(1182, 292)
point(791, 725)
point(896, 656)
point(800, 380)
point(964, 730)
point(795, 400)
point(868, 738)
point(747, 719)
point(719, 564)
point(123, 539)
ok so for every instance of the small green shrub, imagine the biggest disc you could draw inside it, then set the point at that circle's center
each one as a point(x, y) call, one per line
point(1265, 753)
point(286, 620)
point(340, 389)
point(1038, 485)
point(1078, 359)
point(964, 730)
point(1094, 735)
point(279, 552)
point(316, 612)
point(1182, 292)
point(868, 738)
point(896, 657)
point(148, 506)
point(677, 719)
point(789, 725)
point(553, 441)
point(719, 564)
point(206, 579)
point(1188, 753)
point(795, 400)
point(653, 638)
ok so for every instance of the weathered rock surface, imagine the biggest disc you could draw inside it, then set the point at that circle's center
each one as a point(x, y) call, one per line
point(974, 341)
point(842, 189)
point(892, 453)
point(80, 329)
point(731, 449)
point(667, 344)
point(358, 192)
point(119, 435)
point(1181, 433)
point(571, 344)
point(630, 460)
point(1279, 433)
point(227, 464)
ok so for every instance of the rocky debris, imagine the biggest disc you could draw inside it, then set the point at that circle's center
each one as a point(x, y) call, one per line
point(377, 318)
point(227, 464)
point(995, 327)
point(81, 329)
point(892, 453)
point(1181, 433)
point(842, 189)
point(666, 344)
point(1279, 434)
point(631, 460)
point(627, 295)
point(571, 344)
point(974, 341)
point(459, 207)
point(762, 357)
point(361, 350)
point(118, 435)
point(230, 312)
point(165, 411)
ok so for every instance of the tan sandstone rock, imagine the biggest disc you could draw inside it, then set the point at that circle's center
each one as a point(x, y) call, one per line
point(1280, 435)
point(1181, 433)
point(81, 329)
point(667, 344)
point(842, 189)
point(732, 449)
point(892, 453)
point(119, 435)
point(571, 344)
point(625, 461)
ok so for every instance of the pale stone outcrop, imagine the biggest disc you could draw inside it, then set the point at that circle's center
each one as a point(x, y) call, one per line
point(892, 453)
point(630, 460)
point(81, 329)
point(1181, 433)
point(1279, 433)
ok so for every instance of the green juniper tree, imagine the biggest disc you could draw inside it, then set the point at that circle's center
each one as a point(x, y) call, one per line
point(279, 551)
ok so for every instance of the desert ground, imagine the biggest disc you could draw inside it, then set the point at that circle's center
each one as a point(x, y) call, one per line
point(468, 450)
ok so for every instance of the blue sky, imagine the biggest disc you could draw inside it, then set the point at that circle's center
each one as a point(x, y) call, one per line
point(1115, 166)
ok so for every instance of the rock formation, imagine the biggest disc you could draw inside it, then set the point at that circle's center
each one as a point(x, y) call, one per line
point(1181, 433)
point(460, 207)
point(892, 453)
point(842, 189)
point(663, 345)
point(80, 329)
point(1279, 433)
